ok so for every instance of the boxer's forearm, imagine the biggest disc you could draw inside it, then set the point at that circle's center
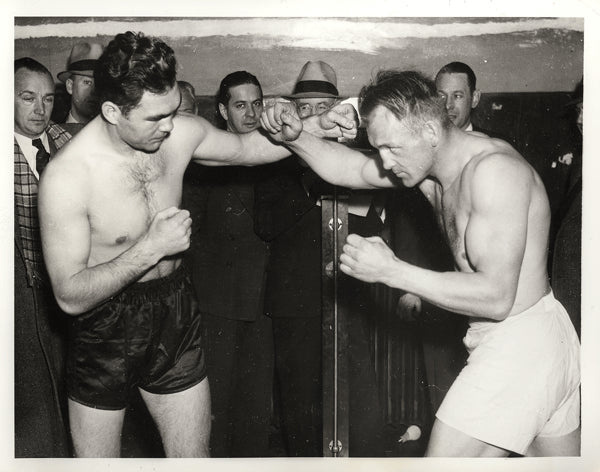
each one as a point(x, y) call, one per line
point(465, 293)
point(84, 290)
point(338, 164)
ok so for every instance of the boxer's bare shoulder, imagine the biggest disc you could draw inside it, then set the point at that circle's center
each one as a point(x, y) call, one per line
point(189, 131)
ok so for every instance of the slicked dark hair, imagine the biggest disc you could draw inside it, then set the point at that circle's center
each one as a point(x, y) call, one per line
point(234, 79)
point(460, 68)
point(239, 77)
point(409, 95)
point(132, 64)
point(32, 65)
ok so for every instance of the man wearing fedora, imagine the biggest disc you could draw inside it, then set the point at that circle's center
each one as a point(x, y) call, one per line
point(288, 216)
point(316, 89)
point(79, 82)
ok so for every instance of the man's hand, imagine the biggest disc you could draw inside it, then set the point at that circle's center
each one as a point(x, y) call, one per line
point(340, 121)
point(367, 259)
point(281, 121)
point(169, 232)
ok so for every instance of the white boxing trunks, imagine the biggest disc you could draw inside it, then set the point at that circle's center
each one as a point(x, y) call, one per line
point(521, 380)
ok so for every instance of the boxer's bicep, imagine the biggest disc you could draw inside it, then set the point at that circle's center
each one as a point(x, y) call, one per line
point(64, 225)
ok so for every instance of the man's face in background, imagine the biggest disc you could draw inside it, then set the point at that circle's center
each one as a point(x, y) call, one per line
point(84, 104)
point(244, 108)
point(459, 100)
point(34, 101)
point(313, 106)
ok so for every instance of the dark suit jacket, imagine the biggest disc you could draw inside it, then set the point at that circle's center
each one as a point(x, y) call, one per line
point(566, 256)
point(72, 128)
point(417, 239)
point(40, 335)
point(493, 134)
point(290, 220)
point(228, 258)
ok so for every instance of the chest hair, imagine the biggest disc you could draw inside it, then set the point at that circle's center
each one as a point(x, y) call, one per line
point(445, 210)
point(142, 174)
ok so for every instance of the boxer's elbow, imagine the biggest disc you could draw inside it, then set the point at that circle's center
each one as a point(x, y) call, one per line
point(70, 305)
point(69, 302)
point(500, 303)
point(499, 311)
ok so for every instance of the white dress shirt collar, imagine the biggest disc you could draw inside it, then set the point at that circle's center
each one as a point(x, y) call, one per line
point(30, 151)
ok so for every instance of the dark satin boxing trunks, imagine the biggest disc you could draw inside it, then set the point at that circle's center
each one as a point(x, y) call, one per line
point(147, 336)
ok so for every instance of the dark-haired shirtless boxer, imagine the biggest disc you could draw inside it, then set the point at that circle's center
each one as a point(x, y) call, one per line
point(112, 238)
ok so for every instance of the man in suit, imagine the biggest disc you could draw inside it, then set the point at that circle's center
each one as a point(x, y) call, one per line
point(456, 84)
point(79, 83)
point(566, 255)
point(40, 414)
point(229, 262)
point(288, 215)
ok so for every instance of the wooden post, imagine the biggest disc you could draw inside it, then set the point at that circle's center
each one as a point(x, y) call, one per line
point(334, 229)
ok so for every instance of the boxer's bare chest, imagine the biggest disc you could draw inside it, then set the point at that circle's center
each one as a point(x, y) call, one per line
point(452, 214)
point(125, 197)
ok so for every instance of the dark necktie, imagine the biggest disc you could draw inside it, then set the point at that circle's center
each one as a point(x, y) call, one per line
point(42, 157)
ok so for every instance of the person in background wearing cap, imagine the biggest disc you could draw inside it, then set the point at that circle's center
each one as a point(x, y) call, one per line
point(40, 328)
point(566, 256)
point(316, 89)
point(79, 83)
point(288, 216)
point(228, 263)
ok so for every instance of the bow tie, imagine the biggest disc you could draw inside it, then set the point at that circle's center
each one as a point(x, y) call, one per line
point(42, 157)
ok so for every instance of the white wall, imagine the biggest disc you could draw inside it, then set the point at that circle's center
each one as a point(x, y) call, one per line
point(507, 54)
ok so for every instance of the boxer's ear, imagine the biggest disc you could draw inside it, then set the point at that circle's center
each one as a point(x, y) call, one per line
point(111, 112)
point(431, 132)
point(223, 111)
point(476, 97)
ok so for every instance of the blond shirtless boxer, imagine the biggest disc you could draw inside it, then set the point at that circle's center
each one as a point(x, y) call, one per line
point(112, 238)
point(520, 389)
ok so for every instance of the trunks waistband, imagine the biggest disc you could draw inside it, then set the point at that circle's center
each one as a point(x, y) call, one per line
point(156, 288)
point(479, 322)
